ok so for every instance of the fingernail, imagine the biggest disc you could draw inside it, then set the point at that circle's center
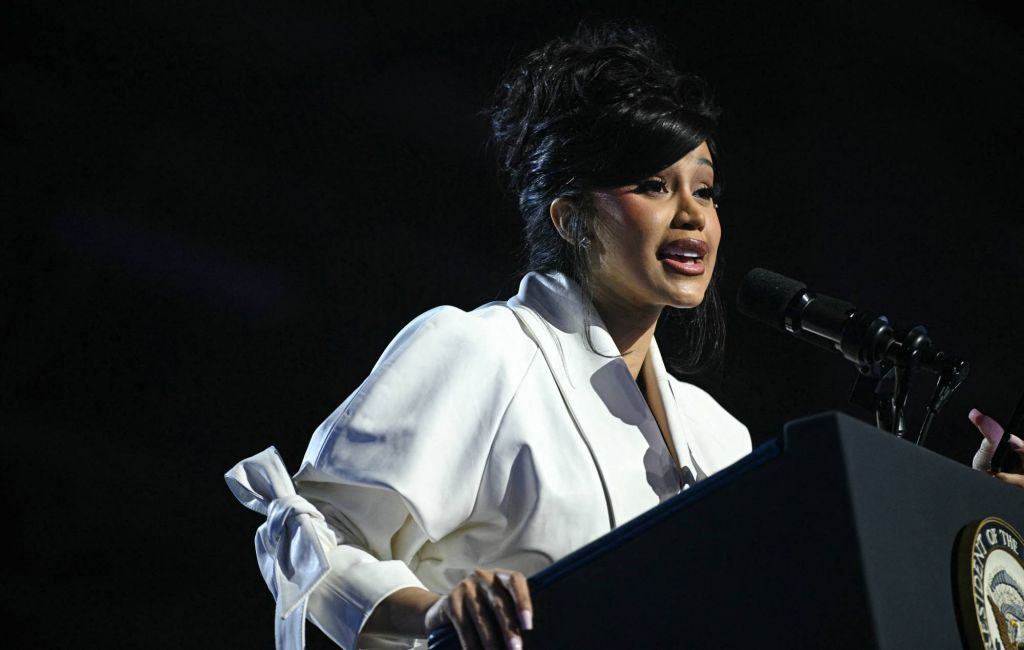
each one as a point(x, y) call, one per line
point(526, 619)
point(515, 643)
point(974, 414)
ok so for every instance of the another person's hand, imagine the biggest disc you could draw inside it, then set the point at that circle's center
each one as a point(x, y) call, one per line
point(489, 610)
point(993, 432)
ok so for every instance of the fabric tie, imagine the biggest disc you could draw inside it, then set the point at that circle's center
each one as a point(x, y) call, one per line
point(292, 545)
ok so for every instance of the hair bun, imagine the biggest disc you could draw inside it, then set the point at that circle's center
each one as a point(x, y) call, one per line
point(602, 73)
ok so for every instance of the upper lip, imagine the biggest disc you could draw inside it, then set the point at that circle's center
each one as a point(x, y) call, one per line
point(684, 247)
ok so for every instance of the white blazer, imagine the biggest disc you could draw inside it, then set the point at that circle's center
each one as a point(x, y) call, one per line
point(493, 438)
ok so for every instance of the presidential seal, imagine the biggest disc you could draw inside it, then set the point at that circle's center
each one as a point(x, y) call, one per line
point(990, 585)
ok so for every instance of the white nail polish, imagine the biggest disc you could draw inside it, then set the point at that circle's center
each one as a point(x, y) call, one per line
point(515, 643)
point(526, 619)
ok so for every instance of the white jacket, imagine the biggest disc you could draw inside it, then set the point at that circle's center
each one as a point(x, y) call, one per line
point(493, 438)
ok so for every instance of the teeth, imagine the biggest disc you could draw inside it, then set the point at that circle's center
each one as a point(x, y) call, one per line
point(680, 251)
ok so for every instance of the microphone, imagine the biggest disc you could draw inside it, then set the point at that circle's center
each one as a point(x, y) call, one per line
point(865, 338)
point(862, 337)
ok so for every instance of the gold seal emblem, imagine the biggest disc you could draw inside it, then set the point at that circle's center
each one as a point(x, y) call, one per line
point(990, 585)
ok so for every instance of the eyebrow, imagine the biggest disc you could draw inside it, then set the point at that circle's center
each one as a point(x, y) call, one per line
point(705, 161)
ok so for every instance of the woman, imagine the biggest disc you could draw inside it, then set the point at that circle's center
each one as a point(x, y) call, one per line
point(486, 445)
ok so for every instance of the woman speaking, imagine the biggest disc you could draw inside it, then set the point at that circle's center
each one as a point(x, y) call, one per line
point(485, 445)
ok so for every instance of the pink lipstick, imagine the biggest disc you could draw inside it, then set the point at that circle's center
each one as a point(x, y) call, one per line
point(685, 256)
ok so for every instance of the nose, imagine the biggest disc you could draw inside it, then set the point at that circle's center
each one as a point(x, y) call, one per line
point(689, 215)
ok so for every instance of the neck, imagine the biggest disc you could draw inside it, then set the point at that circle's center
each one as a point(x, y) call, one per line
point(631, 329)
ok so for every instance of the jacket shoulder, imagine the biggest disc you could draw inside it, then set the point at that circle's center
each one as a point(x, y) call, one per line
point(434, 399)
point(491, 330)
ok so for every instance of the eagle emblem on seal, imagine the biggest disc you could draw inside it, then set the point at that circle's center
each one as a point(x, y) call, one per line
point(990, 585)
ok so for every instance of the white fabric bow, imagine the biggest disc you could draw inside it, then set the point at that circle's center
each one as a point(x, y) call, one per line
point(291, 546)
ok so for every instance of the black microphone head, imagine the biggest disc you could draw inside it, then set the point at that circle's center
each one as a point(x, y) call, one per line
point(765, 295)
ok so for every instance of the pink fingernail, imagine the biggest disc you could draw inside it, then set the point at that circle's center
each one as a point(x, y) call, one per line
point(974, 414)
point(526, 619)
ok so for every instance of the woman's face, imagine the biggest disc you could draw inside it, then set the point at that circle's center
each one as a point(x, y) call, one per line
point(656, 242)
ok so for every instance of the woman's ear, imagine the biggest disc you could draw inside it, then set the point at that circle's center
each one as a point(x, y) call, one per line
point(561, 210)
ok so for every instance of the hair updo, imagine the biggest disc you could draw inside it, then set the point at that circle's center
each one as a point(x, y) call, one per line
point(603, 108)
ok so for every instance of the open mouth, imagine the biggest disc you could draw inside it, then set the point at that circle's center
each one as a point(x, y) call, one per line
point(685, 256)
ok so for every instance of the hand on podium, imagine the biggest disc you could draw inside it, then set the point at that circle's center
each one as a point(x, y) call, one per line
point(489, 609)
point(992, 432)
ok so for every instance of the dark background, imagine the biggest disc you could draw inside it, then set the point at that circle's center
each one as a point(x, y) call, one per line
point(219, 213)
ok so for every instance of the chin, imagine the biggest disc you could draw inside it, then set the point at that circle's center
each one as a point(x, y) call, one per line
point(687, 301)
point(687, 294)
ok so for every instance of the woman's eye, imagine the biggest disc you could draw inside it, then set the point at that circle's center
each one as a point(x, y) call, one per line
point(709, 193)
point(651, 186)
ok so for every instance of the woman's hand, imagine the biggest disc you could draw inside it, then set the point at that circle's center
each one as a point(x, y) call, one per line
point(993, 432)
point(489, 610)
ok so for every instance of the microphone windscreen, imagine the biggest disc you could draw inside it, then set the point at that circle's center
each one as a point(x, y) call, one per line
point(765, 295)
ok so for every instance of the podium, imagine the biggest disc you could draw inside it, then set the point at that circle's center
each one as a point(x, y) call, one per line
point(835, 535)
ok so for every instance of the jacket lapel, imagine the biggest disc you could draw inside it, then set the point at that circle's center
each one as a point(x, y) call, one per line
point(603, 399)
point(677, 425)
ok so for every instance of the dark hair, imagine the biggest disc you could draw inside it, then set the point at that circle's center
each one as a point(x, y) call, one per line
point(603, 108)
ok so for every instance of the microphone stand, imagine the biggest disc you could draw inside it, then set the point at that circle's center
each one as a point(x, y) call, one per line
point(871, 391)
point(899, 403)
point(953, 371)
point(886, 374)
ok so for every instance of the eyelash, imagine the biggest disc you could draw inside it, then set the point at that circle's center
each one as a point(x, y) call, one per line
point(712, 193)
point(658, 186)
point(651, 186)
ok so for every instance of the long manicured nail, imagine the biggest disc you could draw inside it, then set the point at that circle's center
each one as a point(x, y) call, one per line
point(515, 643)
point(526, 619)
point(974, 415)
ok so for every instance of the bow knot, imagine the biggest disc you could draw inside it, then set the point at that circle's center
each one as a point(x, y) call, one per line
point(291, 545)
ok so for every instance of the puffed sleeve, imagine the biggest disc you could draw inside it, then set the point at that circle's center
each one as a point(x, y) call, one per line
point(400, 462)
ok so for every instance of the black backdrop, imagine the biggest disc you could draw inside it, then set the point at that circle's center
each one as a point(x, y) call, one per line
point(219, 213)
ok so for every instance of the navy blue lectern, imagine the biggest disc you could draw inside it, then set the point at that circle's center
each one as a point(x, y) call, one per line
point(835, 535)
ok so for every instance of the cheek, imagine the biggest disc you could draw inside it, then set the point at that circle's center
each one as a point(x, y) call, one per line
point(620, 234)
point(632, 242)
point(640, 225)
point(629, 231)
